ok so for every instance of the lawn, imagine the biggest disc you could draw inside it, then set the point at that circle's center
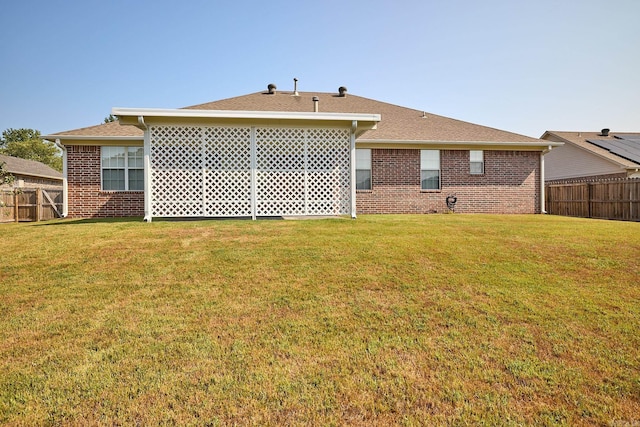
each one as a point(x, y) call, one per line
point(385, 320)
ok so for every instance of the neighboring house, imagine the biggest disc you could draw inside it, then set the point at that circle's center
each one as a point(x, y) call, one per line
point(296, 153)
point(31, 174)
point(592, 155)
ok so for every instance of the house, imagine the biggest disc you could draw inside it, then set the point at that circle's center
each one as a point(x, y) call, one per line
point(592, 155)
point(31, 174)
point(274, 153)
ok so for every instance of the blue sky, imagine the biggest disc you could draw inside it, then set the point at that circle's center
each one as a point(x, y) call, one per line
point(522, 66)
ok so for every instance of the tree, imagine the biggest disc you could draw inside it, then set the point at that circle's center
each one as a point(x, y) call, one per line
point(110, 118)
point(28, 144)
point(5, 176)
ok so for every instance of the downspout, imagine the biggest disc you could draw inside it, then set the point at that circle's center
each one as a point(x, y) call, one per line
point(65, 185)
point(354, 127)
point(147, 169)
point(542, 189)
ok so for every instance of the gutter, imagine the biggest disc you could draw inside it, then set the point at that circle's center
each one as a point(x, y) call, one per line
point(147, 169)
point(543, 207)
point(546, 144)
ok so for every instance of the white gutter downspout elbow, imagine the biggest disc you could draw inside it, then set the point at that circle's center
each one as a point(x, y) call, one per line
point(65, 185)
point(147, 169)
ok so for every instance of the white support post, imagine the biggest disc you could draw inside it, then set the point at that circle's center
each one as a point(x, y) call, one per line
point(203, 171)
point(542, 192)
point(254, 178)
point(354, 126)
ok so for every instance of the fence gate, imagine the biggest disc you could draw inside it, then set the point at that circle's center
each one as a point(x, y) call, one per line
point(226, 171)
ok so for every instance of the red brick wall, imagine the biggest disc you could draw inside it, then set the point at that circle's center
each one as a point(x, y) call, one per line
point(510, 184)
point(85, 197)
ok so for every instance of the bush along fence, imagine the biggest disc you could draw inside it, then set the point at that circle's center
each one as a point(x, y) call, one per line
point(30, 204)
point(604, 199)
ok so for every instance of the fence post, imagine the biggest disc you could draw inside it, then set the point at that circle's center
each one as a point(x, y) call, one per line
point(38, 203)
point(589, 196)
point(15, 206)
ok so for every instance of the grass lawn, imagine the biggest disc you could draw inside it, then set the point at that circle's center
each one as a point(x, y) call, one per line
point(385, 320)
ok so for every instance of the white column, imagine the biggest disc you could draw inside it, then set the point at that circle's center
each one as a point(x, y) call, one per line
point(254, 186)
point(354, 126)
point(542, 195)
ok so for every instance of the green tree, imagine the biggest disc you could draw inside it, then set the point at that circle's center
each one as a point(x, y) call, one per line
point(110, 118)
point(28, 144)
point(5, 176)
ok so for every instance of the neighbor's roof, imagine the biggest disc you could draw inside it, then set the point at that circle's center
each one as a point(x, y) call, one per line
point(18, 166)
point(397, 123)
point(581, 139)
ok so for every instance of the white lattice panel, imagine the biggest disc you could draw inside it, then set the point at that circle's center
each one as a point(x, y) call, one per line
point(328, 172)
point(227, 171)
point(176, 171)
point(206, 171)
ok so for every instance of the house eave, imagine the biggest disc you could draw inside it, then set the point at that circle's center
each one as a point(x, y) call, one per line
point(129, 116)
point(459, 145)
point(63, 138)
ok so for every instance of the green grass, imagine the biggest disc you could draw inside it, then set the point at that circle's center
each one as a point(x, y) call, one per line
point(386, 320)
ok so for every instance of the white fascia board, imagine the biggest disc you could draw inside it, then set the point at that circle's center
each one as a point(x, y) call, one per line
point(541, 144)
point(92, 138)
point(230, 114)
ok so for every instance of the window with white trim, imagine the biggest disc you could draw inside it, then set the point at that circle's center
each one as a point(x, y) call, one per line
point(363, 169)
point(122, 168)
point(430, 169)
point(476, 162)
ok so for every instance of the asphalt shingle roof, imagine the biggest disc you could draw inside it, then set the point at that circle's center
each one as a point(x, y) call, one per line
point(397, 123)
point(580, 139)
point(18, 166)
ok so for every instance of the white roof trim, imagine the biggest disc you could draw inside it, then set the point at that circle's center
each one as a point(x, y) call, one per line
point(485, 143)
point(229, 114)
point(93, 137)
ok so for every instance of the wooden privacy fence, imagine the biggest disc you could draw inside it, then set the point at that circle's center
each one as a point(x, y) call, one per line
point(33, 204)
point(615, 199)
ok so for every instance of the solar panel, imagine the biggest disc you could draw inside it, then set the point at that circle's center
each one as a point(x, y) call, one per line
point(627, 146)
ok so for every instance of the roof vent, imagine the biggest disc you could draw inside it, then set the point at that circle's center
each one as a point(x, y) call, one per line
point(272, 89)
point(315, 100)
point(604, 132)
point(295, 87)
point(342, 91)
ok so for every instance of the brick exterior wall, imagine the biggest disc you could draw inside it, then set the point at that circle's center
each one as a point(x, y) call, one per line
point(510, 184)
point(86, 199)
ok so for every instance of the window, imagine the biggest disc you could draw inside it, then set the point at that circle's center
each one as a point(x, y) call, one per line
point(363, 169)
point(476, 162)
point(430, 169)
point(122, 168)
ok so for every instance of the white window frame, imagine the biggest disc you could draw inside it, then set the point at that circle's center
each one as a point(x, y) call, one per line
point(363, 164)
point(429, 163)
point(127, 166)
point(476, 162)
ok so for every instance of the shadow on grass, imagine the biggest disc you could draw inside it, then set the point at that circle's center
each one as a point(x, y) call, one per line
point(121, 220)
